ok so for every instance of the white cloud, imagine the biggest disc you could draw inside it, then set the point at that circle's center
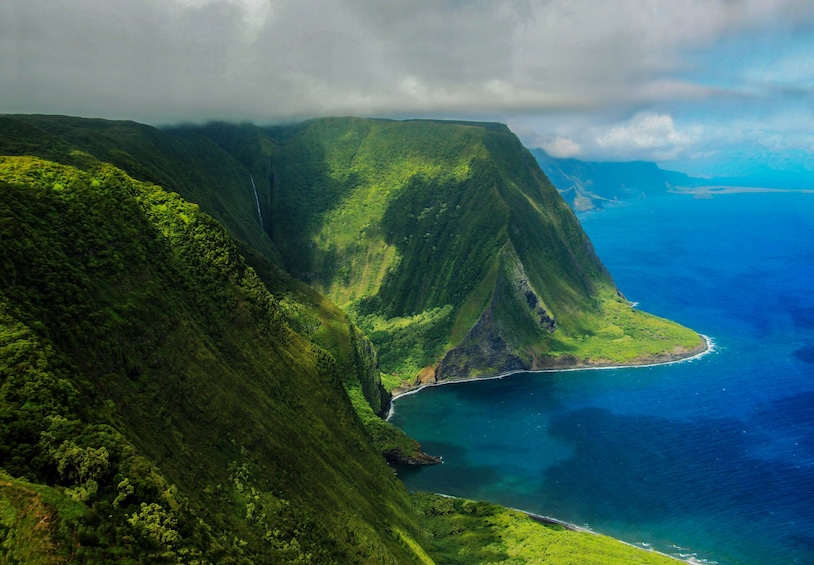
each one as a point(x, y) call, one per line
point(266, 59)
point(560, 147)
point(575, 68)
point(650, 134)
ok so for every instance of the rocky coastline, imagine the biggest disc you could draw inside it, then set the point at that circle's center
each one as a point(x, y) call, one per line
point(679, 355)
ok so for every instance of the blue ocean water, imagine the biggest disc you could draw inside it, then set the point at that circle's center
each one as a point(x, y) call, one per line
point(711, 460)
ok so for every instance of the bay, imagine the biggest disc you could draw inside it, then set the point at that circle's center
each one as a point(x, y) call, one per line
point(710, 460)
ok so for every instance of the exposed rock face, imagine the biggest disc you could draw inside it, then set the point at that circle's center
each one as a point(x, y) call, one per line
point(482, 347)
point(524, 291)
point(417, 458)
point(516, 311)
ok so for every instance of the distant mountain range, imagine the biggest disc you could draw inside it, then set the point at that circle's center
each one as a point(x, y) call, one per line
point(586, 185)
point(589, 185)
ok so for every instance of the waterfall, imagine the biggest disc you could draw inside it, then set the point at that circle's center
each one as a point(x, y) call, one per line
point(257, 200)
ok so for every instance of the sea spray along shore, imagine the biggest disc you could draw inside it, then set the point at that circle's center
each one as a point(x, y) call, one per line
point(707, 346)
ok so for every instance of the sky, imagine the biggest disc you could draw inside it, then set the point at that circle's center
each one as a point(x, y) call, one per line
point(707, 87)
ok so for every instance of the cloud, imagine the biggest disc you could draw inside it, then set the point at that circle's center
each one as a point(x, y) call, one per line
point(560, 147)
point(279, 58)
point(649, 135)
point(579, 70)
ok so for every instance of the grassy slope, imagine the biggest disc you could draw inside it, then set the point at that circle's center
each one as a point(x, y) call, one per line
point(463, 531)
point(193, 166)
point(320, 321)
point(416, 228)
point(594, 322)
point(184, 161)
point(147, 371)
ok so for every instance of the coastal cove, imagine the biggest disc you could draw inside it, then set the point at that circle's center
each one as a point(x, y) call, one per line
point(708, 346)
point(710, 459)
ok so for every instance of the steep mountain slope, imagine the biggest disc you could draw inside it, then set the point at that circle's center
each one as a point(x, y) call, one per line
point(444, 241)
point(202, 172)
point(145, 368)
point(447, 244)
point(194, 168)
point(586, 185)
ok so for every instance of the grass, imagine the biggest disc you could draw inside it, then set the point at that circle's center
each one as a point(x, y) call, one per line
point(404, 224)
point(473, 307)
point(149, 375)
point(624, 335)
point(464, 531)
point(37, 523)
point(413, 342)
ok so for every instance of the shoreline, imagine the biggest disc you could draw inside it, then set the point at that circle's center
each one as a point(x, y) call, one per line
point(548, 520)
point(708, 347)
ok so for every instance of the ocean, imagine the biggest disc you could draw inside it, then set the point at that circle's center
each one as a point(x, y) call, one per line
point(710, 460)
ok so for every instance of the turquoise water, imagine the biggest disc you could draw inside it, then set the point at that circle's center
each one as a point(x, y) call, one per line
point(711, 459)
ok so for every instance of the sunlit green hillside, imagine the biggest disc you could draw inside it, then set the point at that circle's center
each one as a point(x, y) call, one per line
point(194, 167)
point(202, 172)
point(447, 245)
point(147, 372)
point(443, 241)
point(462, 532)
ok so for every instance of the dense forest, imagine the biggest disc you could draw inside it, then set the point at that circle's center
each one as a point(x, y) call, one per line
point(193, 323)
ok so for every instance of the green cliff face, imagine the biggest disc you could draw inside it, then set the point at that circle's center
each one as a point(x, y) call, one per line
point(147, 373)
point(195, 167)
point(443, 241)
point(202, 172)
point(446, 244)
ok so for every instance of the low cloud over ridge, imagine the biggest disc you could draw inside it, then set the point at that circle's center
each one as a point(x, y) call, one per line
point(532, 63)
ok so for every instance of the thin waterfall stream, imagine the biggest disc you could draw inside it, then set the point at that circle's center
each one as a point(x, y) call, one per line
point(257, 201)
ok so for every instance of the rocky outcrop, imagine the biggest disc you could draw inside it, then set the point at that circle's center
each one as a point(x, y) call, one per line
point(482, 347)
point(516, 311)
point(398, 457)
point(524, 292)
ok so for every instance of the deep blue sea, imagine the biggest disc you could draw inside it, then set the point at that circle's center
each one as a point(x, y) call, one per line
point(711, 459)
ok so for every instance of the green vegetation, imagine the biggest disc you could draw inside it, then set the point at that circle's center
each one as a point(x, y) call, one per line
point(463, 531)
point(37, 522)
point(443, 241)
point(169, 393)
point(192, 165)
point(446, 245)
point(625, 335)
point(149, 376)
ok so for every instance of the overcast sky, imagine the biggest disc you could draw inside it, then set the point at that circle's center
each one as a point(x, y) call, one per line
point(704, 86)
